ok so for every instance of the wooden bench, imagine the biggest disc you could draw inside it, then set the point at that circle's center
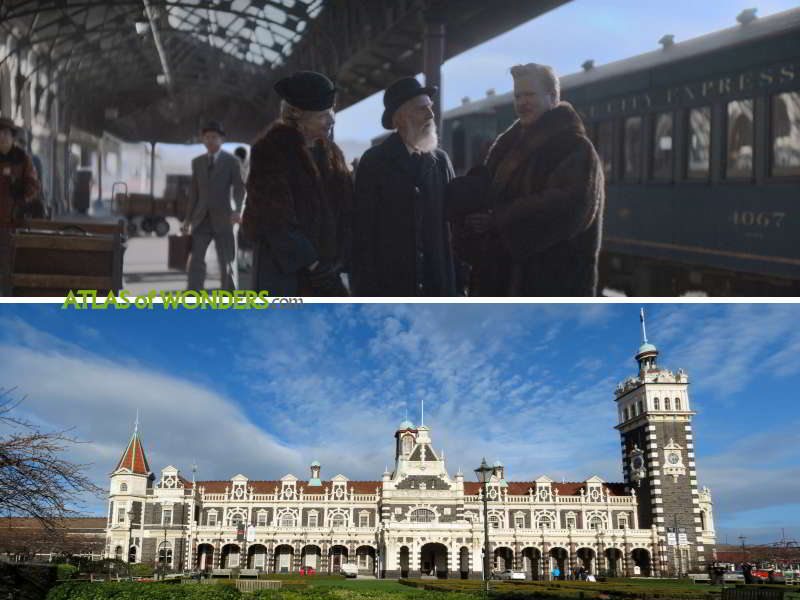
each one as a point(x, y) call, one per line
point(248, 573)
point(50, 258)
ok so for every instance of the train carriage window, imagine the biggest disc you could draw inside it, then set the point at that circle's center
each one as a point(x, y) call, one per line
point(740, 139)
point(662, 146)
point(633, 148)
point(699, 153)
point(605, 146)
point(786, 134)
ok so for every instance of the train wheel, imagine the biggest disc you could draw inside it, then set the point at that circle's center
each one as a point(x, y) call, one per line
point(162, 227)
point(147, 225)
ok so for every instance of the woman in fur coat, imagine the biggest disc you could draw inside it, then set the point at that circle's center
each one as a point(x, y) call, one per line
point(299, 195)
point(544, 194)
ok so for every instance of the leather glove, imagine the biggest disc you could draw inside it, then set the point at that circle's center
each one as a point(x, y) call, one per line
point(326, 282)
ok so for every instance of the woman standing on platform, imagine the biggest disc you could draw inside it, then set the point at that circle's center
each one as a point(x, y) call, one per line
point(299, 195)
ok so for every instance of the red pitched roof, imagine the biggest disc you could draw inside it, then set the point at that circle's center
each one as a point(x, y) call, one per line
point(268, 487)
point(569, 488)
point(134, 458)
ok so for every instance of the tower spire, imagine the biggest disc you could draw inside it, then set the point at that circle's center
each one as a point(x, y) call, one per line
point(136, 423)
point(134, 458)
point(644, 329)
point(422, 412)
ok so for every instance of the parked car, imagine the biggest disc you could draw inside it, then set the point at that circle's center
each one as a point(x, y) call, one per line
point(733, 576)
point(349, 570)
point(509, 574)
point(307, 571)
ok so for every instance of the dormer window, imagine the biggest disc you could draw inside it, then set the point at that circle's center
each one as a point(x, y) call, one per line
point(408, 443)
point(123, 487)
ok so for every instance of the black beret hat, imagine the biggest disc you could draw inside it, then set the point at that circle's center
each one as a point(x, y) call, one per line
point(307, 90)
point(400, 92)
point(213, 126)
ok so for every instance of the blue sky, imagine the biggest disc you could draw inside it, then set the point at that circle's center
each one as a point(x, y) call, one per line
point(265, 393)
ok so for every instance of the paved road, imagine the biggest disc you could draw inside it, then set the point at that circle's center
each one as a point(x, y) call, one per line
point(145, 266)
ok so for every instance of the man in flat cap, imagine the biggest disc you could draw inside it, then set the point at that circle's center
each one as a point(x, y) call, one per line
point(19, 191)
point(299, 195)
point(401, 241)
point(212, 215)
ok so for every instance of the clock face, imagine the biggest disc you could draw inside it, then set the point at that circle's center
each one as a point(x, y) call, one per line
point(638, 462)
point(673, 459)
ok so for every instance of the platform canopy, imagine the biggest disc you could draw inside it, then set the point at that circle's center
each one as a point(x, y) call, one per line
point(156, 69)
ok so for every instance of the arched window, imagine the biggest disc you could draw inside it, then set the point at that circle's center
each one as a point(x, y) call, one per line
point(545, 522)
point(666, 403)
point(422, 515)
point(123, 487)
point(165, 554)
point(287, 520)
point(656, 405)
point(338, 520)
point(407, 443)
point(118, 552)
point(677, 403)
point(595, 523)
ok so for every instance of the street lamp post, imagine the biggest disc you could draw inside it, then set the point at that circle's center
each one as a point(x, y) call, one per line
point(130, 538)
point(163, 557)
point(484, 473)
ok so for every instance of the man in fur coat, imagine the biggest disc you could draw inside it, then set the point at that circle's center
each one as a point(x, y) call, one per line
point(543, 194)
point(401, 244)
point(299, 195)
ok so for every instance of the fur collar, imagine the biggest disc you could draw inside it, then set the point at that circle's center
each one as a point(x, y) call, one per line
point(287, 140)
point(515, 146)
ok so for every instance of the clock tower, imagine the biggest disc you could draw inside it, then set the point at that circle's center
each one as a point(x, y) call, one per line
point(658, 461)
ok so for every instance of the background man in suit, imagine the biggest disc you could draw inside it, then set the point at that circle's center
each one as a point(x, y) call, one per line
point(212, 215)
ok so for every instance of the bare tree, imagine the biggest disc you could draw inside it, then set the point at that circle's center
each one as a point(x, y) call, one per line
point(35, 480)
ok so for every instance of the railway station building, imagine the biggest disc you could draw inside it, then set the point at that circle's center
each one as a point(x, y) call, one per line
point(419, 518)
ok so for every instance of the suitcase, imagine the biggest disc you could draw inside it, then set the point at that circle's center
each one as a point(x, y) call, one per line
point(180, 246)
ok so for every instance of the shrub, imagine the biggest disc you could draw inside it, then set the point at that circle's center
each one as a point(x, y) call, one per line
point(142, 570)
point(65, 571)
point(27, 581)
point(141, 591)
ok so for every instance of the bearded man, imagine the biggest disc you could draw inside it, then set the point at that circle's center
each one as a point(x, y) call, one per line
point(542, 193)
point(401, 240)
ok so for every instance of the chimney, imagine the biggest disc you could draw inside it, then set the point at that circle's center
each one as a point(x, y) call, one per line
point(465, 101)
point(588, 65)
point(490, 92)
point(667, 41)
point(748, 15)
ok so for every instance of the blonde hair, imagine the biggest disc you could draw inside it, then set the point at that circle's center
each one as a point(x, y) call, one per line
point(291, 115)
point(542, 73)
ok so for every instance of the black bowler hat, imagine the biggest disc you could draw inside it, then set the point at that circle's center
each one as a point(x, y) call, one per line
point(307, 90)
point(213, 126)
point(398, 93)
